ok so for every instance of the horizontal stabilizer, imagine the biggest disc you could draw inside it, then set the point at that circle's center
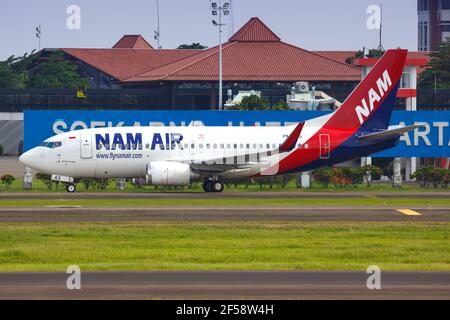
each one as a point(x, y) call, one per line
point(388, 134)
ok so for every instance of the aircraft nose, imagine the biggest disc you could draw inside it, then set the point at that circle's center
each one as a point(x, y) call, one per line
point(25, 158)
point(30, 158)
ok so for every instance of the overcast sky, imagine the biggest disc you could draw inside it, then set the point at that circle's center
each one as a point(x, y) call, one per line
point(312, 24)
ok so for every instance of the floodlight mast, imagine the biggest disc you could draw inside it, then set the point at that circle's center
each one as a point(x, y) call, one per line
point(39, 35)
point(217, 9)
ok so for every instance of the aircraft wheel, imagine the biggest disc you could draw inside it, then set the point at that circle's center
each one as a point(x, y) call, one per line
point(217, 186)
point(71, 188)
point(207, 186)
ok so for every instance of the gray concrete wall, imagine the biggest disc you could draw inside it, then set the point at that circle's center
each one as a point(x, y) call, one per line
point(11, 132)
point(11, 165)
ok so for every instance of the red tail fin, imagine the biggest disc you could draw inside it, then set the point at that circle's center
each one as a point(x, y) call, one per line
point(376, 91)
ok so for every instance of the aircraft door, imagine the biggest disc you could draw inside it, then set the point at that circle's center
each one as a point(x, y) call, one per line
point(324, 146)
point(86, 146)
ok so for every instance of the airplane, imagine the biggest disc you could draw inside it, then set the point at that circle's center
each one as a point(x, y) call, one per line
point(177, 156)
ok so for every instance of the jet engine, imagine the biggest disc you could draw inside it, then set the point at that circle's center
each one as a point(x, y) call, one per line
point(167, 173)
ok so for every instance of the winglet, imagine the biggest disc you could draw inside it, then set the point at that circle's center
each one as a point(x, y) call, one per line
point(291, 141)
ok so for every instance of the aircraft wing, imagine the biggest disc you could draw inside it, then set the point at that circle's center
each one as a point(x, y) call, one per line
point(248, 159)
point(388, 134)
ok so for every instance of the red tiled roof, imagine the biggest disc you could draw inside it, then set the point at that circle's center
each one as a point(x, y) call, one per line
point(255, 30)
point(245, 58)
point(125, 63)
point(132, 42)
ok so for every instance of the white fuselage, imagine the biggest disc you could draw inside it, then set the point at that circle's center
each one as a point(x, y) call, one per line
point(106, 152)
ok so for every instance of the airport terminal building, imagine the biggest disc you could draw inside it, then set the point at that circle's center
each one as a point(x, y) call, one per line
point(254, 58)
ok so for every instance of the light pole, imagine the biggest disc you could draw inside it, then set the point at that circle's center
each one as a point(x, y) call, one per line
point(219, 9)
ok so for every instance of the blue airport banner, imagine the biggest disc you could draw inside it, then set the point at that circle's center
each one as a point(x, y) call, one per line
point(431, 141)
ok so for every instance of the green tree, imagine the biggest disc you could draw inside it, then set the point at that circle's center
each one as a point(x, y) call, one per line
point(281, 105)
point(56, 73)
point(324, 176)
point(343, 176)
point(251, 102)
point(438, 71)
point(10, 77)
point(7, 180)
point(432, 176)
point(370, 172)
point(373, 53)
point(194, 45)
point(356, 176)
point(45, 178)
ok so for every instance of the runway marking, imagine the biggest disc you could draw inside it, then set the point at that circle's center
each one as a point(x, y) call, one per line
point(370, 196)
point(409, 212)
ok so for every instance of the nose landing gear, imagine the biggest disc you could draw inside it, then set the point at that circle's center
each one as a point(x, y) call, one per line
point(69, 181)
point(211, 185)
point(71, 188)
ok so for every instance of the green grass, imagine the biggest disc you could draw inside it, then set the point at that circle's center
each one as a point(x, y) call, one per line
point(39, 186)
point(361, 201)
point(224, 246)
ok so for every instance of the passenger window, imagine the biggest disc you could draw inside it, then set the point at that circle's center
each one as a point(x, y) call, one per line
point(192, 146)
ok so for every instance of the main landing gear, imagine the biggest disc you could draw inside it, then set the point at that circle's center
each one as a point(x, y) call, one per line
point(70, 187)
point(211, 185)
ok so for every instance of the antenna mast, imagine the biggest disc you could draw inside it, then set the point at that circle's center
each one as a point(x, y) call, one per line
point(158, 30)
point(380, 46)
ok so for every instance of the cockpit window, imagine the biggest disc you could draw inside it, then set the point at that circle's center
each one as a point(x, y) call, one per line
point(51, 145)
